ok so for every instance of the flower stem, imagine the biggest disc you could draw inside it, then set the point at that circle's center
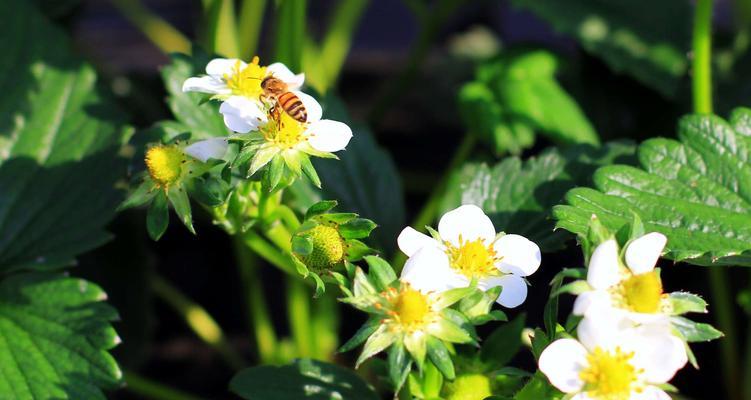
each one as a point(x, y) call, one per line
point(258, 312)
point(430, 24)
point(147, 388)
point(270, 253)
point(165, 36)
point(702, 61)
point(430, 209)
point(249, 29)
point(298, 313)
point(198, 320)
point(221, 28)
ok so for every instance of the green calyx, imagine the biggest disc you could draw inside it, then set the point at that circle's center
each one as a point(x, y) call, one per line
point(327, 247)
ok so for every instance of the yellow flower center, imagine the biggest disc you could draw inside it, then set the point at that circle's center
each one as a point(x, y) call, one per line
point(246, 81)
point(164, 164)
point(473, 259)
point(642, 293)
point(410, 310)
point(285, 133)
point(610, 375)
point(328, 247)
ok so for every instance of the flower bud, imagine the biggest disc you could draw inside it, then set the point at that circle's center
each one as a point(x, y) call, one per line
point(468, 387)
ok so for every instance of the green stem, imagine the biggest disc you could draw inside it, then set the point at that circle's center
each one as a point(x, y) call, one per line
point(146, 388)
point(430, 25)
point(269, 252)
point(221, 28)
point(702, 49)
point(258, 311)
point(430, 209)
point(198, 320)
point(166, 37)
point(298, 312)
point(336, 43)
point(249, 29)
point(747, 366)
point(722, 306)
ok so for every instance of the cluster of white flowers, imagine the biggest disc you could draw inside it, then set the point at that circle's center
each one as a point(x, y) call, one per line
point(246, 108)
point(626, 346)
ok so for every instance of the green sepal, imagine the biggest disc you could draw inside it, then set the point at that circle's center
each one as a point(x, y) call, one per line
point(576, 288)
point(455, 328)
point(181, 204)
point(596, 234)
point(434, 233)
point(210, 191)
point(683, 303)
point(357, 228)
point(310, 171)
point(399, 365)
point(492, 316)
point(540, 341)
point(300, 267)
point(320, 208)
point(694, 331)
point(142, 195)
point(362, 284)
point(273, 173)
point(356, 250)
point(350, 269)
point(376, 343)
point(157, 217)
point(339, 218)
point(380, 272)
point(417, 347)
point(451, 296)
point(432, 382)
point(320, 285)
point(477, 305)
point(440, 357)
point(341, 281)
point(302, 245)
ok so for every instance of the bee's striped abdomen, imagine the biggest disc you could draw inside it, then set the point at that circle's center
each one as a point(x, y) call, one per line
point(292, 105)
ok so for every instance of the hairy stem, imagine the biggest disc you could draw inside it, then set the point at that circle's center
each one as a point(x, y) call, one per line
point(258, 311)
point(165, 36)
point(702, 62)
point(198, 319)
point(146, 388)
point(298, 313)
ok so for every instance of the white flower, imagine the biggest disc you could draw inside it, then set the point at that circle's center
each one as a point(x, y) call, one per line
point(469, 249)
point(239, 85)
point(612, 360)
point(634, 288)
point(291, 139)
point(205, 149)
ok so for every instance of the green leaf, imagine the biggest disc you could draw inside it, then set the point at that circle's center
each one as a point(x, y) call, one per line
point(55, 332)
point(518, 195)
point(304, 379)
point(529, 97)
point(683, 303)
point(59, 143)
point(538, 388)
point(695, 331)
point(650, 46)
point(503, 344)
point(364, 180)
point(696, 191)
point(202, 120)
point(157, 218)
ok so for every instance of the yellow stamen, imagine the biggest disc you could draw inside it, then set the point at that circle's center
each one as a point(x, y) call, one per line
point(410, 311)
point(642, 293)
point(473, 259)
point(285, 133)
point(610, 375)
point(246, 81)
point(164, 164)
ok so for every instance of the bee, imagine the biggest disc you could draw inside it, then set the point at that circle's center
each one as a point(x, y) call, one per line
point(275, 89)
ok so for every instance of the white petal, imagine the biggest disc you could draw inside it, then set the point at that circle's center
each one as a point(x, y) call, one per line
point(514, 290)
point(312, 107)
point(591, 301)
point(218, 67)
point(603, 266)
point(281, 71)
point(650, 393)
point(561, 362)
point(520, 255)
point(429, 270)
point(242, 114)
point(410, 241)
point(209, 148)
point(469, 221)
point(658, 352)
point(205, 84)
point(642, 254)
point(329, 136)
point(603, 329)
